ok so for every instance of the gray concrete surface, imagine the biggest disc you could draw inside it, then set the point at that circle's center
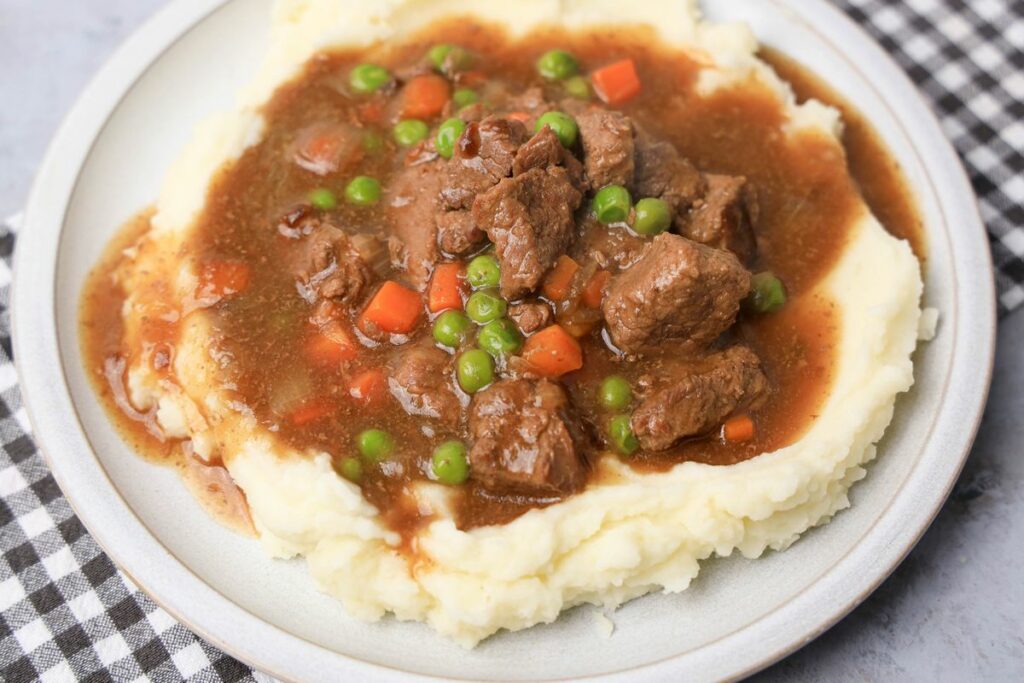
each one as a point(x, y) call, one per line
point(953, 611)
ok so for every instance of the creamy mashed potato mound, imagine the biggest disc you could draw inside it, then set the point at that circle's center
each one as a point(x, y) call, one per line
point(634, 533)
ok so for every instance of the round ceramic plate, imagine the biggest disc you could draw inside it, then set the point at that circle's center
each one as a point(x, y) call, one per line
point(107, 161)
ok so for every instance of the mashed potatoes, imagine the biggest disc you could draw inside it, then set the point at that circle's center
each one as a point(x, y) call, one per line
point(633, 533)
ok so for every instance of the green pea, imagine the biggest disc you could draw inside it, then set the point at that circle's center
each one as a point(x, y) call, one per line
point(447, 57)
point(615, 393)
point(367, 78)
point(363, 190)
point(621, 434)
point(767, 293)
point(447, 134)
point(561, 124)
point(451, 328)
point(450, 464)
point(578, 87)
point(323, 199)
point(409, 132)
point(500, 338)
point(556, 65)
point(485, 306)
point(474, 370)
point(483, 271)
point(375, 444)
point(351, 469)
point(439, 53)
point(373, 141)
point(653, 216)
point(611, 204)
point(464, 97)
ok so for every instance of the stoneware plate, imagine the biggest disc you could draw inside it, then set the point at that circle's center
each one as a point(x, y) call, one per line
point(106, 162)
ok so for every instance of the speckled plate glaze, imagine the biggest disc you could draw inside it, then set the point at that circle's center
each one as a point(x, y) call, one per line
point(106, 162)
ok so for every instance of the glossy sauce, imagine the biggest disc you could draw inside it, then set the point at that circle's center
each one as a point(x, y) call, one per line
point(807, 204)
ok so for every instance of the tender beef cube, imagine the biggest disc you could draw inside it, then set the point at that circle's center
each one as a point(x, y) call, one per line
point(483, 156)
point(330, 265)
point(610, 248)
point(543, 150)
point(420, 381)
point(687, 398)
point(530, 220)
point(721, 218)
point(530, 316)
point(457, 233)
point(540, 151)
point(678, 289)
point(608, 151)
point(411, 201)
point(662, 172)
point(525, 437)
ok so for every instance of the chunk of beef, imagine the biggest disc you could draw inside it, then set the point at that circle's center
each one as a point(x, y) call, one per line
point(525, 437)
point(530, 316)
point(721, 219)
point(610, 248)
point(484, 155)
point(411, 203)
point(544, 149)
point(530, 220)
point(608, 150)
point(686, 398)
point(662, 172)
point(678, 289)
point(330, 266)
point(421, 383)
point(457, 233)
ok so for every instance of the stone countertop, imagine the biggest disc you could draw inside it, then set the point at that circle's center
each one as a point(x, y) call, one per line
point(953, 611)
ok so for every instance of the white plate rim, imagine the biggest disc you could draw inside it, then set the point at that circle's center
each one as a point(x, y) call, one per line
point(270, 649)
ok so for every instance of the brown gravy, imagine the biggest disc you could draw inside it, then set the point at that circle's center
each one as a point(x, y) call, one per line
point(807, 204)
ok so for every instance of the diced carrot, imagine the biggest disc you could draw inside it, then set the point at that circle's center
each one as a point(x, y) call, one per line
point(425, 96)
point(559, 279)
point(223, 278)
point(738, 428)
point(325, 147)
point(332, 345)
point(322, 147)
point(552, 352)
point(394, 308)
point(593, 293)
point(372, 111)
point(368, 386)
point(322, 153)
point(446, 287)
point(520, 116)
point(311, 411)
point(616, 82)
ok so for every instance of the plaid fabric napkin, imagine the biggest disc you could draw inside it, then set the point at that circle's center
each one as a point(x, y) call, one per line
point(66, 613)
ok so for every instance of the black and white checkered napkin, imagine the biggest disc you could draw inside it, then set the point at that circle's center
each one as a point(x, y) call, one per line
point(66, 613)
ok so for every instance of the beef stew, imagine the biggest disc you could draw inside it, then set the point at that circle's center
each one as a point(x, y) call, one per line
point(491, 278)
